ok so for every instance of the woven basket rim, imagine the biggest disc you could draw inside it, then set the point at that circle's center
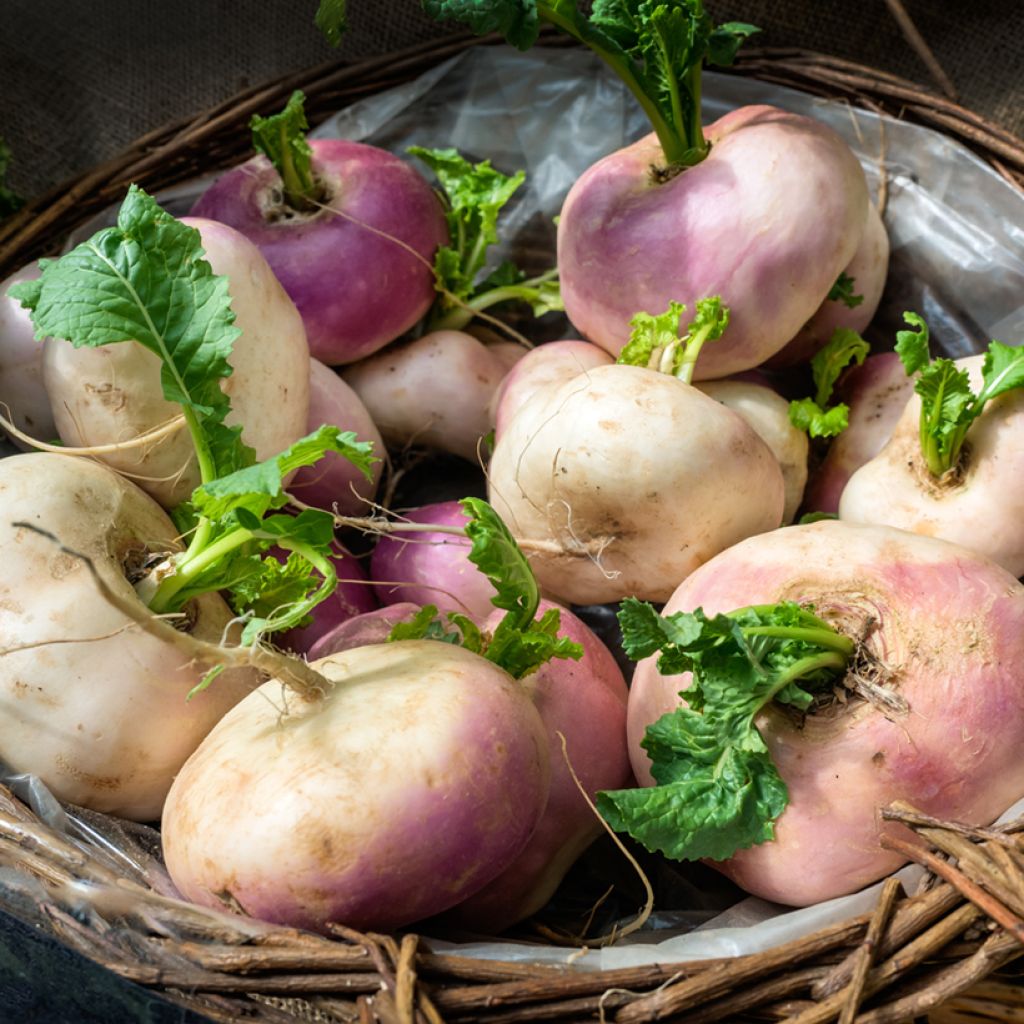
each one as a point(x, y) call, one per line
point(166, 155)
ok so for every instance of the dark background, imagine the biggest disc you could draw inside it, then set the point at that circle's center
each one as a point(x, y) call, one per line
point(81, 79)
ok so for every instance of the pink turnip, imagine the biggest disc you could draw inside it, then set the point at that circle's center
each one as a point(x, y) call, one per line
point(349, 230)
point(932, 708)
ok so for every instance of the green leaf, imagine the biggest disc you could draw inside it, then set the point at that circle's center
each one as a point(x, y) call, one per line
point(717, 790)
point(10, 202)
point(805, 414)
point(725, 41)
point(844, 347)
point(146, 280)
point(260, 487)
point(912, 346)
point(516, 20)
point(281, 138)
point(331, 18)
point(651, 336)
point(1002, 371)
point(842, 291)
point(946, 412)
point(426, 624)
point(496, 554)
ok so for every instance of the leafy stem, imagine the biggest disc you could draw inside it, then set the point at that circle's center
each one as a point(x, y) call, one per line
point(658, 343)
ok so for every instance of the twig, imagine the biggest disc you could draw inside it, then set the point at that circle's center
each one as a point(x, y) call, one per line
point(866, 952)
point(920, 47)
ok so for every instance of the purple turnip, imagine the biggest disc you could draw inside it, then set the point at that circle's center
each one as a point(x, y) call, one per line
point(350, 231)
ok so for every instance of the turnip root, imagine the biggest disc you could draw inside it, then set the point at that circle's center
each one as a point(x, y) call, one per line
point(113, 394)
point(334, 482)
point(431, 568)
point(22, 389)
point(413, 781)
point(584, 701)
point(622, 480)
point(553, 363)
point(767, 412)
point(983, 486)
point(92, 705)
point(796, 230)
point(876, 392)
point(934, 713)
point(350, 231)
point(433, 391)
point(853, 305)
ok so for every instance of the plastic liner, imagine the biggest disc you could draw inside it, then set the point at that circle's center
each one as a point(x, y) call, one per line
point(957, 235)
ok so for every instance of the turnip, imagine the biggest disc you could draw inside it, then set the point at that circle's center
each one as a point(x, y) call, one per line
point(334, 482)
point(112, 394)
point(423, 760)
point(877, 393)
point(553, 363)
point(22, 389)
point(415, 779)
point(765, 209)
point(372, 627)
point(433, 391)
point(767, 412)
point(350, 231)
point(896, 680)
point(585, 702)
point(853, 300)
point(91, 704)
point(431, 567)
point(956, 456)
point(624, 479)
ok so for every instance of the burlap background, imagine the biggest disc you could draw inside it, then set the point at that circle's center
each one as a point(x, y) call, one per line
point(80, 80)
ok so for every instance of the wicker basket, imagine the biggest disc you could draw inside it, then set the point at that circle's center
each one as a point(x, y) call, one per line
point(945, 951)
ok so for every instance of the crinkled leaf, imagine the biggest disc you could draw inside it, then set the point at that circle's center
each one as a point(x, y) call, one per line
point(912, 346)
point(843, 348)
point(332, 20)
point(725, 41)
point(805, 414)
point(711, 319)
point(842, 291)
point(521, 651)
point(946, 401)
point(651, 334)
point(426, 624)
point(1002, 370)
point(516, 20)
point(717, 790)
point(146, 280)
point(281, 138)
point(259, 488)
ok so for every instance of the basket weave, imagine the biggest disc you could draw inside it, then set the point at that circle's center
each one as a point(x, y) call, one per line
point(935, 953)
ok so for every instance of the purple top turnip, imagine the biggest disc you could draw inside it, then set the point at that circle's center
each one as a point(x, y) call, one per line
point(358, 261)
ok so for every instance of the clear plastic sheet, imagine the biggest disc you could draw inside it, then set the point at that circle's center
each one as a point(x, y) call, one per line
point(957, 234)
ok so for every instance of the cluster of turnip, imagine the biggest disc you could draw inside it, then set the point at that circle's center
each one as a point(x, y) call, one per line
point(421, 730)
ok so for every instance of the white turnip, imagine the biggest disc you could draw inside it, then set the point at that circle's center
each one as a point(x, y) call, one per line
point(410, 783)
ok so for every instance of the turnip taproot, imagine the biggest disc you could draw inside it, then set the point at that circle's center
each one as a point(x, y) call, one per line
point(22, 390)
point(409, 784)
point(624, 479)
point(933, 711)
point(114, 393)
point(956, 456)
point(349, 230)
point(92, 705)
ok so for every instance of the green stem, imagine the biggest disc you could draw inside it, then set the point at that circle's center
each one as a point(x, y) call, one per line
point(805, 667)
point(324, 567)
point(678, 149)
point(690, 354)
point(826, 637)
point(193, 563)
point(457, 317)
point(300, 191)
